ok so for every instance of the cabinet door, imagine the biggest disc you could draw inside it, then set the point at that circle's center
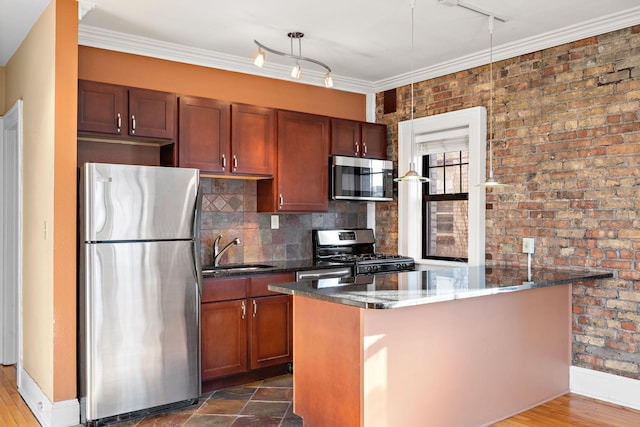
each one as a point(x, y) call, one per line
point(271, 331)
point(252, 139)
point(374, 141)
point(345, 138)
point(203, 141)
point(223, 338)
point(152, 114)
point(303, 152)
point(102, 108)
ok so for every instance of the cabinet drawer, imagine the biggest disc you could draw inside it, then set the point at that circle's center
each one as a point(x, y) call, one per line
point(258, 284)
point(224, 289)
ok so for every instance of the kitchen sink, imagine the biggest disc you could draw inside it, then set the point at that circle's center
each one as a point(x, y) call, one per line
point(208, 269)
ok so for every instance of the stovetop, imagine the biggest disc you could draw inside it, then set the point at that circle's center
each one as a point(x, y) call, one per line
point(356, 247)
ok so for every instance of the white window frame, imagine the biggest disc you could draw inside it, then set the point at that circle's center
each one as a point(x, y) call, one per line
point(410, 233)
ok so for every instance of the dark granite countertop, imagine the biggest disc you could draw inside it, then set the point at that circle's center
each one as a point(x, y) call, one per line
point(395, 290)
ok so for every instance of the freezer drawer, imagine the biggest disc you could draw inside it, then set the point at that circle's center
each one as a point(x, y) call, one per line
point(140, 338)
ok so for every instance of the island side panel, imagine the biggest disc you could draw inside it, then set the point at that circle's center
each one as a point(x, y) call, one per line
point(327, 363)
point(466, 362)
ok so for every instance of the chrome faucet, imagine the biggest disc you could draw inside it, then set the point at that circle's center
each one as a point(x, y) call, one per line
point(217, 252)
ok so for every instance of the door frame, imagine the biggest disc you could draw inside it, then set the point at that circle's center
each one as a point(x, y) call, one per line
point(11, 149)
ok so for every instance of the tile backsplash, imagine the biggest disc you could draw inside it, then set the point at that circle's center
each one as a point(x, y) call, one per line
point(229, 209)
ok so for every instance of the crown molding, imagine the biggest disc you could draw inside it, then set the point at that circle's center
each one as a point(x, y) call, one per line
point(122, 42)
point(569, 34)
point(127, 43)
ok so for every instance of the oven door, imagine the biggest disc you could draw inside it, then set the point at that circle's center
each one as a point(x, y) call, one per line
point(354, 178)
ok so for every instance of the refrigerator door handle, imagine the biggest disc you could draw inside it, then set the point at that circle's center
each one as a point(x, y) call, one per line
point(196, 240)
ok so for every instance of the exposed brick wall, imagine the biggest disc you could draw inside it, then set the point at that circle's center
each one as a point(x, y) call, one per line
point(567, 139)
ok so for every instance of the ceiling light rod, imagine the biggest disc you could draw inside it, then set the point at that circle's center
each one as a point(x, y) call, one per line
point(412, 175)
point(292, 55)
point(491, 181)
point(472, 8)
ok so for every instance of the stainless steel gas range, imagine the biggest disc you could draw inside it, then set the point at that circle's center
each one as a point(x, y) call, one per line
point(351, 252)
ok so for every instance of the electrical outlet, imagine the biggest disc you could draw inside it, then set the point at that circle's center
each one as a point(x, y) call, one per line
point(528, 245)
point(275, 222)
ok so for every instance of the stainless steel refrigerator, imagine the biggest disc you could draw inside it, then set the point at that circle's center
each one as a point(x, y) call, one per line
point(139, 290)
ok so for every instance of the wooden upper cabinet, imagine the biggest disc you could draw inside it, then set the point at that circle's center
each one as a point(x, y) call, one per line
point(374, 140)
point(301, 183)
point(252, 139)
point(102, 108)
point(204, 130)
point(221, 138)
point(110, 111)
point(358, 139)
point(152, 114)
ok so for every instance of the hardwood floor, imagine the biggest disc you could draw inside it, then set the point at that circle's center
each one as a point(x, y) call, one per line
point(575, 410)
point(567, 410)
point(13, 410)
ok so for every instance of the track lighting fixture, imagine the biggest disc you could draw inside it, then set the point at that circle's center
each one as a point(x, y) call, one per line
point(412, 174)
point(296, 71)
point(491, 181)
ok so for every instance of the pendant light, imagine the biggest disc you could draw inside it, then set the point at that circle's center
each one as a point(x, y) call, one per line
point(412, 175)
point(491, 182)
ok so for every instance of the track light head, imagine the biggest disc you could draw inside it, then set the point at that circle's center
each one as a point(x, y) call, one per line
point(296, 71)
point(260, 58)
point(328, 80)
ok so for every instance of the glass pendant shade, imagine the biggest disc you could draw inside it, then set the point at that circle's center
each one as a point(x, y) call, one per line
point(411, 175)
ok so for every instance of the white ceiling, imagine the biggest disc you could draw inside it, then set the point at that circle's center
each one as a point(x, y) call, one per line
point(367, 43)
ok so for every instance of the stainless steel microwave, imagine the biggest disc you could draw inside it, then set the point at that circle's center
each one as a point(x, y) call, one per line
point(355, 178)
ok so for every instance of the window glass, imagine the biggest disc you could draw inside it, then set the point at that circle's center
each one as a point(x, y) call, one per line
point(445, 206)
point(447, 230)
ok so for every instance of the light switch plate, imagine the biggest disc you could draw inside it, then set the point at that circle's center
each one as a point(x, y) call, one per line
point(275, 222)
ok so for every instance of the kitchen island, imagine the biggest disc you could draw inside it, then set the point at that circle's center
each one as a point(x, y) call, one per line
point(449, 347)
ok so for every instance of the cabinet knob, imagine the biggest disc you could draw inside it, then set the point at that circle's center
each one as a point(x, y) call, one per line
point(280, 201)
point(235, 163)
point(255, 308)
point(119, 122)
point(357, 147)
point(224, 161)
point(244, 309)
point(133, 124)
point(364, 148)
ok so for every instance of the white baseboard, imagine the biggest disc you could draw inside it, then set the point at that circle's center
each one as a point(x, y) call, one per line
point(602, 386)
point(57, 414)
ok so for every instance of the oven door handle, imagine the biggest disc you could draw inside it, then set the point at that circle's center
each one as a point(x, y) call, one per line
point(323, 273)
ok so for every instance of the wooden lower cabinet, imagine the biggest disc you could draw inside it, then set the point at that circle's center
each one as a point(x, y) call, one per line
point(270, 325)
point(244, 327)
point(224, 338)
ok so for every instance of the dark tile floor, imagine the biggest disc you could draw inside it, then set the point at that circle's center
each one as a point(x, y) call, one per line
point(266, 403)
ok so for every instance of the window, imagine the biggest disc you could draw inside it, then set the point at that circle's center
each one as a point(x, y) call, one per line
point(456, 133)
point(445, 201)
